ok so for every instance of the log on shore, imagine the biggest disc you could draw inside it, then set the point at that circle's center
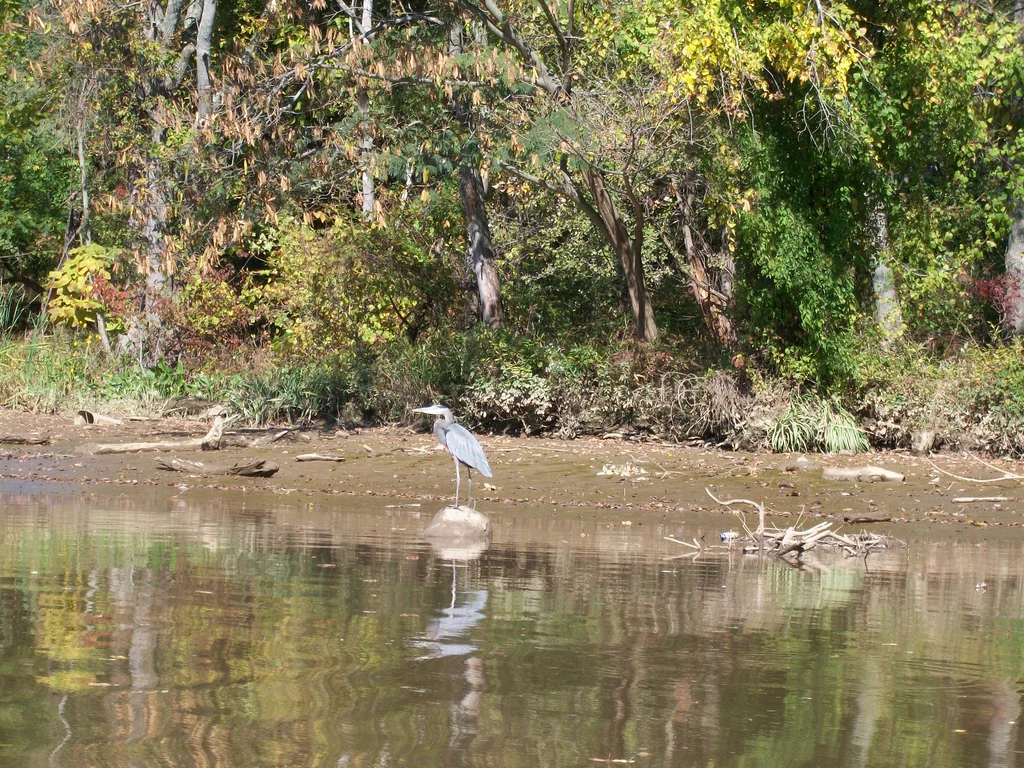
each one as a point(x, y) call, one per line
point(210, 442)
point(861, 474)
point(237, 440)
point(249, 468)
point(23, 440)
point(319, 457)
point(867, 517)
point(967, 499)
point(85, 418)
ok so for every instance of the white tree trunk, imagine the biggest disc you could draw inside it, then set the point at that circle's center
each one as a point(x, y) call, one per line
point(1013, 319)
point(888, 314)
point(1013, 309)
point(204, 83)
point(481, 251)
point(363, 105)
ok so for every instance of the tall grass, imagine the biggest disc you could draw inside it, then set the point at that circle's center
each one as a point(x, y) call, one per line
point(500, 382)
point(13, 309)
point(811, 424)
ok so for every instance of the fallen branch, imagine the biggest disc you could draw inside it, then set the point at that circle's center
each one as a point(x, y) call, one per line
point(319, 457)
point(210, 442)
point(236, 440)
point(85, 418)
point(791, 542)
point(977, 499)
point(861, 474)
point(867, 517)
point(759, 535)
point(375, 453)
point(250, 468)
point(696, 545)
point(23, 440)
point(1006, 475)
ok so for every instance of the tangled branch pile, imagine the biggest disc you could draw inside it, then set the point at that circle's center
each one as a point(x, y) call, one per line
point(789, 542)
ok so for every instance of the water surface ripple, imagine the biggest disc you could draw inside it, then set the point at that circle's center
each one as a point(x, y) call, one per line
point(213, 631)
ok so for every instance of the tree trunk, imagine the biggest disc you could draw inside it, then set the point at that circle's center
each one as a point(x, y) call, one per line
point(1013, 303)
point(363, 105)
point(713, 302)
point(154, 236)
point(628, 247)
point(146, 338)
point(888, 315)
point(85, 235)
point(480, 248)
point(1013, 317)
point(204, 83)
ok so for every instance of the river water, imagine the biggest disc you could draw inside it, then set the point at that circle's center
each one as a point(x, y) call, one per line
point(204, 629)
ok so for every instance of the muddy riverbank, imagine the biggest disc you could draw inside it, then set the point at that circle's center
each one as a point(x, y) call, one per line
point(634, 482)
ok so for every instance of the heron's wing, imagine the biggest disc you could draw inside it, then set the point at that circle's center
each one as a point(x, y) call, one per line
point(465, 448)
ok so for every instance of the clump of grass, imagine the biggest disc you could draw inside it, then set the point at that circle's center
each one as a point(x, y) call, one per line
point(13, 310)
point(809, 423)
point(297, 394)
point(838, 431)
point(794, 429)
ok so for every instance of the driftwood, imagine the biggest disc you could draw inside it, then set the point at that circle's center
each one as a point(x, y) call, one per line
point(249, 468)
point(1006, 475)
point(236, 440)
point(210, 442)
point(23, 440)
point(977, 499)
point(867, 517)
point(319, 457)
point(84, 418)
point(786, 543)
point(376, 453)
point(861, 474)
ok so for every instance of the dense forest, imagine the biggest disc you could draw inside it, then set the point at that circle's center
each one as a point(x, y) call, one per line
point(792, 224)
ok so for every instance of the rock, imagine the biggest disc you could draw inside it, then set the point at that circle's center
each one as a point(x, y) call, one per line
point(801, 464)
point(867, 474)
point(458, 524)
point(924, 442)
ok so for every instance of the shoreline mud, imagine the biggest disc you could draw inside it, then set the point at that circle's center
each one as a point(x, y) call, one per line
point(633, 483)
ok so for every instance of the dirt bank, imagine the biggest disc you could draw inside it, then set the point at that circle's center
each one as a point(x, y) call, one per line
point(587, 474)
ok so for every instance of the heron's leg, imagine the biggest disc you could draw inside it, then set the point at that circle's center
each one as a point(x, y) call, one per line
point(458, 480)
point(469, 471)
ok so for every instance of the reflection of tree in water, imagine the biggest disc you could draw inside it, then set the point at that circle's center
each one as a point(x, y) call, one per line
point(242, 641)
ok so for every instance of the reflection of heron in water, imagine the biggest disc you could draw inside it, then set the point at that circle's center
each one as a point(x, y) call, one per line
point(456, 622)
point(460, 443)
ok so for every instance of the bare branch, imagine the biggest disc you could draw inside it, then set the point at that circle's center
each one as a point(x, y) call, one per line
point(1006, 475)
point(174, 80)
point(499, 26)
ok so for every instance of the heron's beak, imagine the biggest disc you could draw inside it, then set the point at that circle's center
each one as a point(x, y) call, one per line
point(432, 410)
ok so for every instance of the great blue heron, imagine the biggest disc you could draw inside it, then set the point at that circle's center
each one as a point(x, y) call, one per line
point(460, 444)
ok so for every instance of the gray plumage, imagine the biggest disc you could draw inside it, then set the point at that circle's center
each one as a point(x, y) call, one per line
point(460, 443)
